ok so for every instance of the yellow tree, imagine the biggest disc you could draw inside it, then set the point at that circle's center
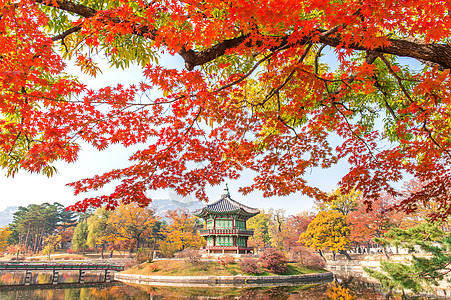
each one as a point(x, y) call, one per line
point(131, 224)
point(99, 233)
point(260, 225)
point(181, 233)
point(328, 231)
point(277, 222)
point(4, 236)
point(343, 203)
point(51, 243)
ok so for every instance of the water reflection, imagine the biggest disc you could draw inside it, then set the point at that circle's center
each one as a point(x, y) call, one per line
point(347, 289)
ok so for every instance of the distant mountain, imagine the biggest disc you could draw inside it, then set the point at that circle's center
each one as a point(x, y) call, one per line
point(163, 205)
point(6, 216)
point(160, 205)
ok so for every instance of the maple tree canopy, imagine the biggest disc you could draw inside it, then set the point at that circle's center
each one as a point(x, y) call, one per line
point(256, 93)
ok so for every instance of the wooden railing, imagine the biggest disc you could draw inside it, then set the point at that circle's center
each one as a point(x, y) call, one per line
point(225, 232)
point(58, 266)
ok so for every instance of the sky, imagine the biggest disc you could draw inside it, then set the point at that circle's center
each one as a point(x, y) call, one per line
point(25, 188)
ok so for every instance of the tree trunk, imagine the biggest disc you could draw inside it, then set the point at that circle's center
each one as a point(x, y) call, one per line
point(321, 254)
point(345, 253)
point(26, 238)
point(35, 246)
point(101, 253)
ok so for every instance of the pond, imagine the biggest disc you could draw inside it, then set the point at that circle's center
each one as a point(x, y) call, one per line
point(69, 289)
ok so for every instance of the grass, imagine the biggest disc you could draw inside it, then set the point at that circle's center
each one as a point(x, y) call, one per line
point(206, 268)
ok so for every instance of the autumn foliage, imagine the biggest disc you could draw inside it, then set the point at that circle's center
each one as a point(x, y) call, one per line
point(259, 91)
point(249, 265)
point(328, 231)
point(273, 260)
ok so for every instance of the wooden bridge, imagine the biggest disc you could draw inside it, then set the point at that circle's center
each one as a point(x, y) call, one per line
point(56, 268)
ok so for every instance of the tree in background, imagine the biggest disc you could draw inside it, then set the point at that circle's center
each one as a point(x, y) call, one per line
point(259, 76)
point(260, 225)
point(4, 238)
point(80, 237)
point(344, 203)
point(32, 224)
point(293, 228)
point(277, 222)
point(132, 224)
point(51, 243)
point(66, 231)
point(367, 224)
point(14, 250)
point(328, 231)
point(99, 233)
point(181, 232)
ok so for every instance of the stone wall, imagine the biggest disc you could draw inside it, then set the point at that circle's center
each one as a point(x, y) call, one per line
point(224, 281)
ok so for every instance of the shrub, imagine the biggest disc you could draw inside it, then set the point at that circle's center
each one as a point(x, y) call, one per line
point(309, 259)
point(153, 268)
point(226, 260)
point(168, 249)
point(274, 260)
point(249, 266)
point(192, 256)
point(144, 255)
point(70, 251)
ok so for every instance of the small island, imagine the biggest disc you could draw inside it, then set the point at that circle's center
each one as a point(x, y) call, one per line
point(223, 271)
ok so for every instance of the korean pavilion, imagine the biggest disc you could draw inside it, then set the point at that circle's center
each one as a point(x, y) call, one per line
point(225, 225)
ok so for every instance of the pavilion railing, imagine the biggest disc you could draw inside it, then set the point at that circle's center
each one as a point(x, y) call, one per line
point(226, 232)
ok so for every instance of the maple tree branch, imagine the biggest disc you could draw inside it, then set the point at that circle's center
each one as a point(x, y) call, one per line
point(317, 56)
point(66, 33)
point(435, 53)
point(370, 58)
point(429, 132)
point(398, 79)
point(277, 90)
point(386, 104)
point(79, 9)
point(245, 75)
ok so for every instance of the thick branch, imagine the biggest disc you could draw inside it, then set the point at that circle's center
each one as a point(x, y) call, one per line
point(71, 7)
point(66, 33)
point(433, 53)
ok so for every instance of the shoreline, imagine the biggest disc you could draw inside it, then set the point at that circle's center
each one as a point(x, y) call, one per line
point(225, 281)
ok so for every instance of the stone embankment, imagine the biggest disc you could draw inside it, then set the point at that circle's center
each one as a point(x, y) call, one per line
point(225, 281)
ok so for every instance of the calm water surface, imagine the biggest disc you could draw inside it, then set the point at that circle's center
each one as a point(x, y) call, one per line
point(68, 289)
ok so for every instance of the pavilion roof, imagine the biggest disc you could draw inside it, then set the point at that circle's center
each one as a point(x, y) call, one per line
point(226, 205)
